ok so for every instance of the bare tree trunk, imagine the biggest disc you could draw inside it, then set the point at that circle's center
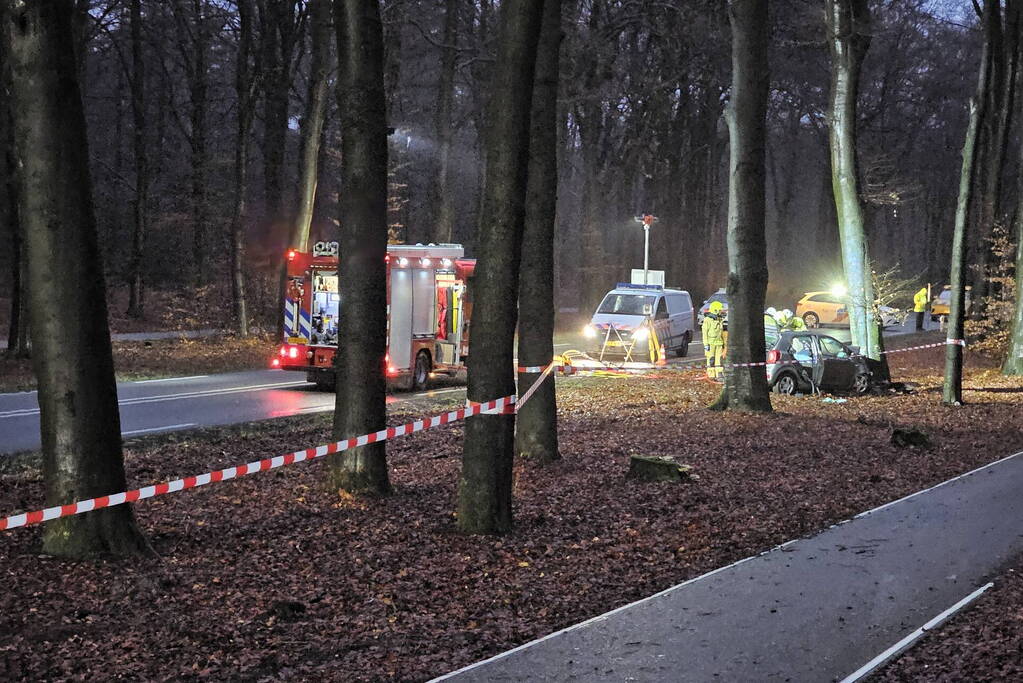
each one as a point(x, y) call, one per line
point(17, 330)
point(136, 303)
point(312, 123)
point(80, 425)
point(848, 39)
point(245, 88)
point(536, 434)
point(952, 390)
point(485, 485)
point(746, 388)
point(444, 125)
point(193, 54)
point(361, 387)
point(279, 35)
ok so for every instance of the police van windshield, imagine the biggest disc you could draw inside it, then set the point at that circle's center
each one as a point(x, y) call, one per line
point(627, 304)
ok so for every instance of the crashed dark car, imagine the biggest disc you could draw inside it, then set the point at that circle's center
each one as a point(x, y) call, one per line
point(807, 360)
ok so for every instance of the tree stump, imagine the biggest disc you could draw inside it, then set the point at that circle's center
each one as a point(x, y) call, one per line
point(656, 468)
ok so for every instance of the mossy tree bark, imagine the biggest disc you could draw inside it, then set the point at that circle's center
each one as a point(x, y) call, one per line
point(952, 389)
point(245, 84)
point(536, 434)
point(485, 485)
point(746, 388)
point(80, 425)
point(848, 26)
point(320, 17)
point(361, 388)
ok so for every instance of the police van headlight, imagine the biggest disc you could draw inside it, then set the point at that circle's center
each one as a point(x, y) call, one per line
point(589, 332)
point(641, 334)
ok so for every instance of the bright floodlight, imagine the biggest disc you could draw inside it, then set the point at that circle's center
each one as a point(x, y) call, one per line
point(403, 262)
point(589, 332)
point(839, 289)
point(641, 334)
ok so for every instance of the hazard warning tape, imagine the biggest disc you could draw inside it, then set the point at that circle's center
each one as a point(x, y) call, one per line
point(495, 407)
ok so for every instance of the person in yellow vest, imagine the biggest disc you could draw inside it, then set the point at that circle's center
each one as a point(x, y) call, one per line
point(920, 307)
point(714, 340)
point(787, 321)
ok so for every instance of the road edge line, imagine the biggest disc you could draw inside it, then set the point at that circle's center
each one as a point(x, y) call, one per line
point(907, 642)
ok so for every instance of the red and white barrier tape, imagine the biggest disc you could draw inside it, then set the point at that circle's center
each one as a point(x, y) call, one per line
point(497, 406)
point(947, 342)
point(546, 372)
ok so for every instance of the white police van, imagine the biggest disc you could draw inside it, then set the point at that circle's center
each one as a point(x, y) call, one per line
point(628, 312)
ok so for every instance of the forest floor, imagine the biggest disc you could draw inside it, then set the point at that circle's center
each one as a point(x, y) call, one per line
point(983, 643)
point(273, 576)
point(134, 360)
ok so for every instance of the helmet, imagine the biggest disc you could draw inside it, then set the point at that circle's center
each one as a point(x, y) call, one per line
point(771, 312)
point(715, 306)
point(786, 313)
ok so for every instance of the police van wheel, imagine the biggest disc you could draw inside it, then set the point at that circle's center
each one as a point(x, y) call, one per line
point(683, 349)
point(421, 372)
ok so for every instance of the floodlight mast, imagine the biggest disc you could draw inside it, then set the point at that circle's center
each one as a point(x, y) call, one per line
point(647, 220)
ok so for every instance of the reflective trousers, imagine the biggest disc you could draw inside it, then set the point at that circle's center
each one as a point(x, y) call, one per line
point(714, 355)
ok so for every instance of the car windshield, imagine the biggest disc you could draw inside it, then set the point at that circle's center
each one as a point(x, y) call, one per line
point(627, 304)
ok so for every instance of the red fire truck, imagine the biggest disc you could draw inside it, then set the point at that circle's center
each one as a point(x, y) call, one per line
point(428, 311)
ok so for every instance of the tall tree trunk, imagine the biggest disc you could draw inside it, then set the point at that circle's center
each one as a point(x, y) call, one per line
point(279, 36)
point(80, 425)
point(1014, 360)
point(17, 330)
point(536, 434)
point(952, 390)
point(444, 125)
point(485, 485)
point(746, 388)
point(361, 387)
point(138, 110)
point(198, 90)
point(848, 23)
point(312, 123)
point(244, 84)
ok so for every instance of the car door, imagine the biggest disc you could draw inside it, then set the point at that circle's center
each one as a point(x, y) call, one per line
point(662, 322)
point(835, 369)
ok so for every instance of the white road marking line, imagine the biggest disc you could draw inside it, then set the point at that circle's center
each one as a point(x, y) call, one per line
point(907, 642)
point(158, 429)
point(172, 397)
point(169, 379)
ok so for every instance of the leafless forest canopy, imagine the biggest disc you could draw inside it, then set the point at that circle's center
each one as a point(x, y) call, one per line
point(643, 85)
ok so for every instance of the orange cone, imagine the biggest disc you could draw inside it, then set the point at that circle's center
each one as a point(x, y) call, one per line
point(662, 356)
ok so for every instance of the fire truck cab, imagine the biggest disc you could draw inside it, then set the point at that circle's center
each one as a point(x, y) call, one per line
point(428, 312)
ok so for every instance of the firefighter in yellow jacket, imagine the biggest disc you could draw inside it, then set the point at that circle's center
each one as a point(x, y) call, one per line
point(920, 307)
point(714, 340)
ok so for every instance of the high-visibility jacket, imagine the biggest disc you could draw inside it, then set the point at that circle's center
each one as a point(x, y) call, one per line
point(920, 301)
point(713, 330)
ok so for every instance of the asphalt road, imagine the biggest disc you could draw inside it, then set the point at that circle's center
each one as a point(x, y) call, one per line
point(173, 404)
point(815, 609)
point(179, 403)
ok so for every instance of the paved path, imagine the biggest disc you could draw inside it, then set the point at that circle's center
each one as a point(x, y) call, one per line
point(814, 609)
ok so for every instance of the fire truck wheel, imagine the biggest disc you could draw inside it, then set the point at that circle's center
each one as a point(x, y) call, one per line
point(421, 373)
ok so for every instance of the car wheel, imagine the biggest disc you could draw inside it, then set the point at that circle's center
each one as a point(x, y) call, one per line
point(421, 373)
point(786, 384)
point(811, 320)
point(861, 384)
point(683, 349)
